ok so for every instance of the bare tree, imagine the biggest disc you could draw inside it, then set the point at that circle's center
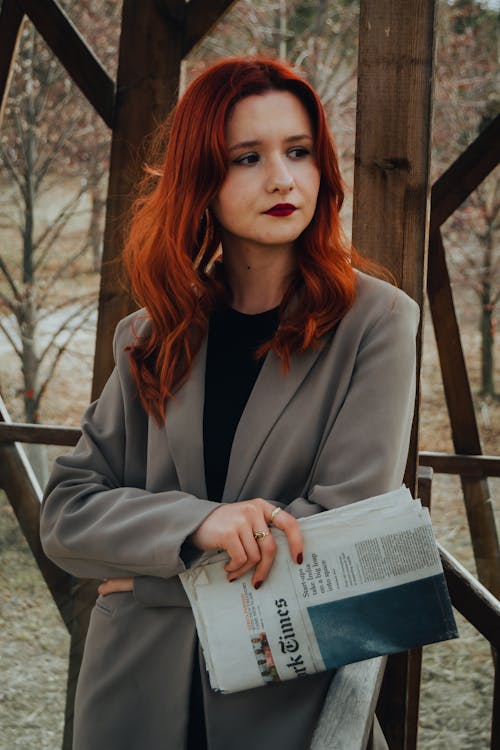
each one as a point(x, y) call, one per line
point(318, 37)
point(53, 158)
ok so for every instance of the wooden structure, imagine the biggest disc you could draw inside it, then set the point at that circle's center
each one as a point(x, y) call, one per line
point(392, 178)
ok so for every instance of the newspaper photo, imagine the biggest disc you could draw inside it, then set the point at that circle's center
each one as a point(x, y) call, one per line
point(371, 583)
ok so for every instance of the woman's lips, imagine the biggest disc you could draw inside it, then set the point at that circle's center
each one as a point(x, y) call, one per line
point(281, 209)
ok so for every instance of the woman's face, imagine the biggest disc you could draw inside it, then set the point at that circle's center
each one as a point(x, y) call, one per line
point(269, 195)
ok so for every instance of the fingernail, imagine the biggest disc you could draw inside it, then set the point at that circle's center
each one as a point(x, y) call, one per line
point(300, 558)
point(231, 580)
point(257, 584)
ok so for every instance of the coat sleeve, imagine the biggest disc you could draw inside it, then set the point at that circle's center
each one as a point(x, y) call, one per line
point(95, 527)
point(365, 449)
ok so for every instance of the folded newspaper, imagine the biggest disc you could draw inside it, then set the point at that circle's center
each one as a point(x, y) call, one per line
point(371, 583)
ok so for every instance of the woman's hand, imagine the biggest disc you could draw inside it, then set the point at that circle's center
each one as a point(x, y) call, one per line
point(232, 526)
point(112, 585)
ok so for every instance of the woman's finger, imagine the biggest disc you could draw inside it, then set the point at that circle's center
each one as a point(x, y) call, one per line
point(112, 585)
point(287, 523)
point(252, 551)
point(238, 555)
point(268, 552)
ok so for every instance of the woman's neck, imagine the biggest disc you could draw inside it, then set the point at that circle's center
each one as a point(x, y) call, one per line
point(258, 279)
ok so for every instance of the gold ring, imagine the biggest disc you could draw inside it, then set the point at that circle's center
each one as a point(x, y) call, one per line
point(274, 514)
point(260, 535)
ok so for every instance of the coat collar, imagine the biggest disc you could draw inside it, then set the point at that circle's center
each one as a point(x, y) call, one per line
point(184, 421)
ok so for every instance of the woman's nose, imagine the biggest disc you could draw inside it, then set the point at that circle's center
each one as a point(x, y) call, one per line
point(279, 178)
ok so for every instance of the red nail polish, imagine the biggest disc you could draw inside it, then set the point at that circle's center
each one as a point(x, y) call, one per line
point(257, 585)
point(300, 558)
point(231, 580)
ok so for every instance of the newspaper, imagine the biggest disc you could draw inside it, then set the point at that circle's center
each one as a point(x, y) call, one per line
point(371, 583)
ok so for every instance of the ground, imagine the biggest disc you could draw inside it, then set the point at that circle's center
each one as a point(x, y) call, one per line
point(458, 675)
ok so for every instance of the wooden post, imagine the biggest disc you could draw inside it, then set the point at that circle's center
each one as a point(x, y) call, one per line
point(148, 75)
point(156, 35)
point(391, 207)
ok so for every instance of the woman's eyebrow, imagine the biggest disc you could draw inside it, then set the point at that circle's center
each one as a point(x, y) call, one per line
point(288, 139)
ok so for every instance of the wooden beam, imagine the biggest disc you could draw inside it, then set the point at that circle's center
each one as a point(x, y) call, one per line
point(148, 76)
point(347, 715)
point(465, 174)
point(455, 379)
point(11, 22)
point(391, 208)
point(495, 716)
point(451, 463)
point(201, 17)
point(73, 52)
point(24, 494)
point(472, 599)
point(393, 136)
point(39, 434)
point(460, 405)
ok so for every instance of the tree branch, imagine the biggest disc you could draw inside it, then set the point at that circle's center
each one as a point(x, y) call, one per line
point(62, 270)
point(61, 350)
point(88, 307)
point(11, 340)
point(54, 229)
point(10, 279)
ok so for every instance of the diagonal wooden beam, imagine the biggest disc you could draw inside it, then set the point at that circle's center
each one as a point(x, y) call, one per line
point(74, 53)
point(465, 433)
point(24, 494)
point(201, 17)
point(11, 21)
point(465, 174)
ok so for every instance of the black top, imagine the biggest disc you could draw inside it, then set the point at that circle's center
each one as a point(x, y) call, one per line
point(231, 371)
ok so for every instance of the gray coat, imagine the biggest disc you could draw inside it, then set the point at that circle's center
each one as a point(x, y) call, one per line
point(334, 430)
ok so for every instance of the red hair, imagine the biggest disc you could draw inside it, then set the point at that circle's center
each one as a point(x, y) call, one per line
point(172, 249)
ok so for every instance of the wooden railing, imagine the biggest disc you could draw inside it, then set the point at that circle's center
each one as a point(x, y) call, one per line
point(468, 596)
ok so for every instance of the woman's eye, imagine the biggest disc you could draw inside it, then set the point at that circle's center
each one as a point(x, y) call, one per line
point(298, 152)
point(247, 159)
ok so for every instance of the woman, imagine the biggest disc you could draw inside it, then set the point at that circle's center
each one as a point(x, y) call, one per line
point(263, 372)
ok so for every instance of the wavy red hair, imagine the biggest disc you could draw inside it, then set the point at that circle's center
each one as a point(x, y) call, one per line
point(172, 250)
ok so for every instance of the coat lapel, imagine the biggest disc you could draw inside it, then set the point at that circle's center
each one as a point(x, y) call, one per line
point(184, 428)
point(271, 394)
point(184, 421)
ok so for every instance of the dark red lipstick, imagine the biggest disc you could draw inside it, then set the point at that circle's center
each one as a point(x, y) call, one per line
point(281, 209)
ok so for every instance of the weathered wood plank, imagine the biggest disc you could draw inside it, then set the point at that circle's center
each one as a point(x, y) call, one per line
point(147, 82)
point(424, 487)
point(347, 715)
point(451, 463)
point(391, 206)
point(465, 174)
point(391, 181)
point(11, 21)
point(74, 53)
point(24, 494)
point(495, 716)
point(201, 16)
point(460, 405)
point(472, 599)
point(39, 434)
point(455, 379)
